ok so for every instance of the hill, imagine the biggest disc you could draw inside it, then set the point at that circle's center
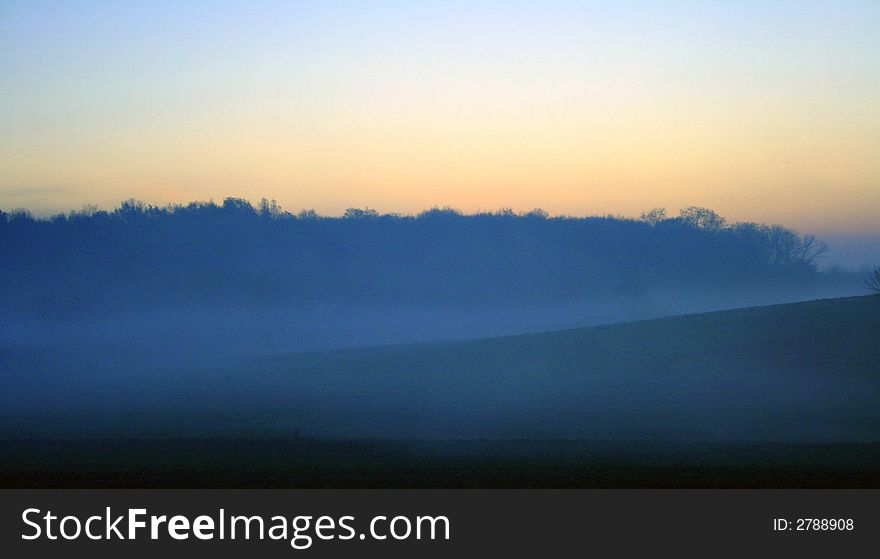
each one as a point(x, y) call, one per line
point(803, 372)
point(796, 372)
point(780, 396)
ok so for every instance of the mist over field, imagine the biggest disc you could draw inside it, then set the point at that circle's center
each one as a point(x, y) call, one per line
point(205, 320)
point(802, 372)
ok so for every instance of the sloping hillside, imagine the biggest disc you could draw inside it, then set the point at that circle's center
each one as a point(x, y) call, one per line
point(804, 372)
point(745, 398)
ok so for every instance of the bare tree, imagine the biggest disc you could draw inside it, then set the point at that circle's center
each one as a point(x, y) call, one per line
point(811, 249)
point(872, 282)
point(702, 218)
point(270, 208)
point(785, 246)
point(653, 216)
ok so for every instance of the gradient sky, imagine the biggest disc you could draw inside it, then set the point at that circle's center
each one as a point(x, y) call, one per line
point(764, 111)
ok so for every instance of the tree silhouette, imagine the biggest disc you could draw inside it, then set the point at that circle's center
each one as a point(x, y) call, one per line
point(143, 256)
point(653, 216)
point(702, 218)
point(872, 282)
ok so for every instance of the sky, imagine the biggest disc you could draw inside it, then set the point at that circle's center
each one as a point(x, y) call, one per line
point(763, 111)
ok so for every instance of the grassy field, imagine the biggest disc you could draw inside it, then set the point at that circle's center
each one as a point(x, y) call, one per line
point(779, 396)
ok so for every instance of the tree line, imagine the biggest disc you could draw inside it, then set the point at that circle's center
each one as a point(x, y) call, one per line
point(140, 256)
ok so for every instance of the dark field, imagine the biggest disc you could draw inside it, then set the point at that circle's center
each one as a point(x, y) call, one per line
point(238, 463)
point(804, 373)
point(777, 396)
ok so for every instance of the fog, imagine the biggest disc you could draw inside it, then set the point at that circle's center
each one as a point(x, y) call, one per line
point(233, 321)
point(852, 251)
point(792, 373)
